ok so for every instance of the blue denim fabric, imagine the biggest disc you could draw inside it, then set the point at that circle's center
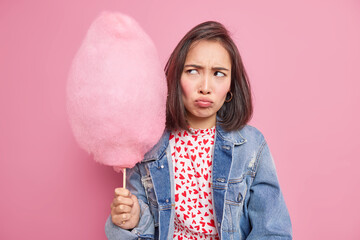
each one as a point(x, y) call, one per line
point(246, 194)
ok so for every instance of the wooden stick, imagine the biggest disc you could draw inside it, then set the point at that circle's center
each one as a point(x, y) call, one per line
point(124, 177)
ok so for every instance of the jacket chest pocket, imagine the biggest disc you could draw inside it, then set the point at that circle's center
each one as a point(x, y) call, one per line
point(235, 196)
point(151, 197)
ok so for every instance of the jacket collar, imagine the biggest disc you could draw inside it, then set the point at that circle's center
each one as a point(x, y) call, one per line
point(159, 149)
point(234, 137)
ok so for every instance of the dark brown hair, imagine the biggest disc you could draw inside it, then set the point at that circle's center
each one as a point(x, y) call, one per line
point(233, 115)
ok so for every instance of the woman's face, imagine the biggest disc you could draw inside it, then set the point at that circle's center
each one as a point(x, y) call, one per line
point(205, 82)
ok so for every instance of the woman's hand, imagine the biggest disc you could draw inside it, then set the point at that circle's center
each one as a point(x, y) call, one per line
point(125, 209)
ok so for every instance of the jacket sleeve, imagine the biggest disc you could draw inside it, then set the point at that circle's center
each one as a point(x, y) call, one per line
point(145, 228)
point(268, 213)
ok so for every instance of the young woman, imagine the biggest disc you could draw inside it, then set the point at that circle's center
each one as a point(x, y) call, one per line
point(210, 176)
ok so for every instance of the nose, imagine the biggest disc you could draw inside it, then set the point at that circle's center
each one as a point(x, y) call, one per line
point(204, 87)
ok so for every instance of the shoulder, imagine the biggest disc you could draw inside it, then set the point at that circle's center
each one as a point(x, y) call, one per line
point(254, 138)
point(247, 134)
point(251, 133)
point(254, 147)
point(159, 148)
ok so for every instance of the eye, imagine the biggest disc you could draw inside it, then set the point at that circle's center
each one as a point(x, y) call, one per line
point(219, 74)
point(192, 71)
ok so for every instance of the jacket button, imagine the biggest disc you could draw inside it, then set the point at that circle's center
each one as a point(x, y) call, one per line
point(162, 166)
point(167, 200)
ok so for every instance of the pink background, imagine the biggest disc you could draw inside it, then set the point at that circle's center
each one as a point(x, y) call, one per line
point(303, 61)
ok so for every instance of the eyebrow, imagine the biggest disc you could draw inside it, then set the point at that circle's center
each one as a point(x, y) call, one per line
point(201, 67)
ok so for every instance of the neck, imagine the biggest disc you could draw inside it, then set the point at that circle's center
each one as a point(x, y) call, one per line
point(201, 123)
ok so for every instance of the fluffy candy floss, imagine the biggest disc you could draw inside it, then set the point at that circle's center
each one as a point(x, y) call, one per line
point(116, 92)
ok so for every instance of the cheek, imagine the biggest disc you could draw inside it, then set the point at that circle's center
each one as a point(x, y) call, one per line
point(226, 90)
point(222, 90)
point(186, 88)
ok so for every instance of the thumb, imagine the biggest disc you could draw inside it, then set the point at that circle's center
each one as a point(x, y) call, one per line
point(135, 199)
point(136, 206)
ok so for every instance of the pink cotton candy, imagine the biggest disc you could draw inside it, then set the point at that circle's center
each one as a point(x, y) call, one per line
point(116, 92)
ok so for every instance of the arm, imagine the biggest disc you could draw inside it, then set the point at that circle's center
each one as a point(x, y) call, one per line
point(268, 213)
point(145, 227)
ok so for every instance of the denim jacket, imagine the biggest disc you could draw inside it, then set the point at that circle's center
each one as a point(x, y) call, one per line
point(247, 198)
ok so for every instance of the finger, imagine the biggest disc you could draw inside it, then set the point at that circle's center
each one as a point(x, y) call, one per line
point(122, 209)
point(125, 216)
point(122, 192)
point(123, 201)
point(119, 218)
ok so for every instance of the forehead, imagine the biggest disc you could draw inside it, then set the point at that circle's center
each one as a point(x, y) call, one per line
point(208, 52)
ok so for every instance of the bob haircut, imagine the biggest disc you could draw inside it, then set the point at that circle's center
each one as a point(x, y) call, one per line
point(232, 115)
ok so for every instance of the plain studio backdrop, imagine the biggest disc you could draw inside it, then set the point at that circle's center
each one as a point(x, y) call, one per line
point(302, 58)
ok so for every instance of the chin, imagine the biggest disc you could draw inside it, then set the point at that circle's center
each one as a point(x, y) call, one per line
point(203, 115)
